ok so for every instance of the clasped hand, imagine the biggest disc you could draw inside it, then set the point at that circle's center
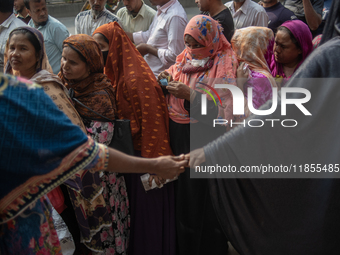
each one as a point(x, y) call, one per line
point(172, 166)
point(176, 88)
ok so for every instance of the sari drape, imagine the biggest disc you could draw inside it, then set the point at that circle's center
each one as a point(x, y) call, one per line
point(46, 159)
point(140, 99)
point(95, 91)
point(138, 95)
point(208, 33)
point(250, 46)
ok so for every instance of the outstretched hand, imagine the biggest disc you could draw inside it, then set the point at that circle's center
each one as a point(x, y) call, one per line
point(168, 167)
point(195, 157)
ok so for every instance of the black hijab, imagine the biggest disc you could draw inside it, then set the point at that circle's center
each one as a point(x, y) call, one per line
point(332, 27)
point(286, 216)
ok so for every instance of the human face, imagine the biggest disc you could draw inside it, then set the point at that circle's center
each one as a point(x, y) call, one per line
point(191, 43)
point(285, 51)
point(38, 12)
point(133, 5)
point(103, 45)
point(269, 3)
point(97, 5)
point(19, 5)
point(72, 67)
point(203, 5)
point(22, 55)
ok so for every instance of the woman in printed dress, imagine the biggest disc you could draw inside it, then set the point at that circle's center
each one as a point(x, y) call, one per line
point(140, 99)
point(40, 149)
point(82, 73)
point(207, 60)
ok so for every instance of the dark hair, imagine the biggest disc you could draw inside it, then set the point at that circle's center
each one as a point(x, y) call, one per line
point(6, 6)
point(292, 37)
point(82, 58)
point(30, 37)
point(27, 3)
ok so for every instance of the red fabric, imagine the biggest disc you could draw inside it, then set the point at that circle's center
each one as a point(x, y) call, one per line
point(56, 198)
point(138, 95)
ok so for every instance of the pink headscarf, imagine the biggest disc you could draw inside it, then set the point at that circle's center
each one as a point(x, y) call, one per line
point(221, 67)
point(303, 35)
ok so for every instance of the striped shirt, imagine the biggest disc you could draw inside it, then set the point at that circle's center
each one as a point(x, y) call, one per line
point(86, 22)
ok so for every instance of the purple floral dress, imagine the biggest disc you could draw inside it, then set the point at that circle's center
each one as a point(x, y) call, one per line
point(262, 89)
point(114, 238)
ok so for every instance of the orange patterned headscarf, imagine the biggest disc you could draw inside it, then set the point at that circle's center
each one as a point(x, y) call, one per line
point(138, 95)
point(208, 33)
point(95, 91)
point(250, 45)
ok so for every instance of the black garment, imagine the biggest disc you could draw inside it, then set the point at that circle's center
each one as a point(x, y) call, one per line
point(332, 27)
point(195, 216)
point(278, 14)
point(325, 12)
point(285, 216)
point(227, 22)
point(70, 219)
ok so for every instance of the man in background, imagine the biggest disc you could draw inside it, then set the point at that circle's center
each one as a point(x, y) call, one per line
point(54, 31)
point(164, 40)
point(136, 16)
point(22, 13)
point(218, 11)
point(308, 11)
point(8, 22)
point(88, 21)
point(277, 13)
point(247, 13)
point(326, 8)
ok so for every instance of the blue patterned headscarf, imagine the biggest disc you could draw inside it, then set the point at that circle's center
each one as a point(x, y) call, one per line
point(35, 137)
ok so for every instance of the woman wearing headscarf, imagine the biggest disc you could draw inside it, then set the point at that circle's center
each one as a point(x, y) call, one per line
point(140, 99)
point(286, 216)
point(82, 73)
point(293, 44)
point(34, 66)
point(40, 149)
point(250, 45)
point(26, 57)
point(207, 60)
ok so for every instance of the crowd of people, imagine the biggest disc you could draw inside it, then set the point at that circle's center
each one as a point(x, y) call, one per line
point(60, 93)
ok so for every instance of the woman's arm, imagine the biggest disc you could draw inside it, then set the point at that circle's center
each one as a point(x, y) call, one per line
point(166, 167)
